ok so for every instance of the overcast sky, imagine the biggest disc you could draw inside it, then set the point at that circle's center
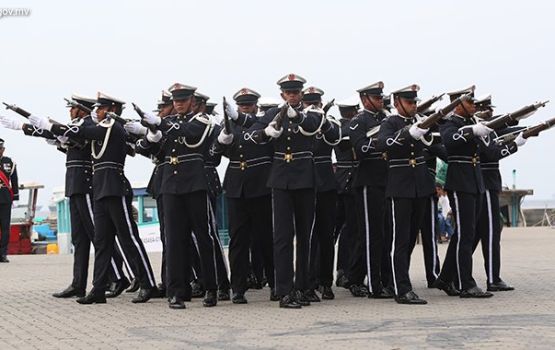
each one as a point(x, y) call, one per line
point(132, 50)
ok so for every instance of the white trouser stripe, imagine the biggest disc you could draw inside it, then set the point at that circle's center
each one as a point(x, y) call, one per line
point(393, 227)
point(195, 242)
point(143, 259)
point(458, 214)
point(367, 227)
point(435, 257)
point(112, 261)
point(311, 233)
point(273, 234)
point(212, 238)
point(490, 237)
point(217, 236)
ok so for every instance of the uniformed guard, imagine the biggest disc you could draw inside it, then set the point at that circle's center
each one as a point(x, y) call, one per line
point(345, 168)
point(184, 194)
point(9, 194)
point(211, 161)
point(293, 188)
point(321, 249)
point(78, 189)
point(248, 197)
point(164, 109)
point(462, 138)
point(409, 185)
point(112, 196)
point(433, 149)
point(488, 226)
point(369, 187)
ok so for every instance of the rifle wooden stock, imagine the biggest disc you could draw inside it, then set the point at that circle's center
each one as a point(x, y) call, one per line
point(434, 118)
point(428, 103)
point(521, 113)
point(537, 129)
point(227, 125)
point(328, 106)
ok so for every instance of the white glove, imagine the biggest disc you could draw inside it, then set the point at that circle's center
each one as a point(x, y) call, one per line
point(154, 137)
point(225, 139)
point(416, 132)
point(63, 139)
point(151, 119)
point(232, 113)
point(10, 123)
point(51, 142)
point(271, 130)
point(135, 128)
point(481, 130)
point(40, 122)
point(520, 140)
point(94, 116)
point(291, 112)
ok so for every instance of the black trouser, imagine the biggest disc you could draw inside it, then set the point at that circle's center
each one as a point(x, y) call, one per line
point(293, 217)
point(321, 249)
point(82, 235)
point(367, 258)
point(256, 258)
point(406, 216)
point(250, 221)
point(5, 218)
point(113, 216)
point(457, 265)
point(183, 214)
point(488, 230)
point(221, 261)
point(428, 232)
point(348, 234)
point(160, 206)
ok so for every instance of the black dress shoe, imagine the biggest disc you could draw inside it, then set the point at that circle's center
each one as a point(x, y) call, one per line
point(342, 281)
point(311, 296)
point(448, 288)
point(144, 295)
point(4, 259)
point(273, 295)
point(162, 292)
point(92, 298)
point(327, 293)
point(384, 293)
point(197, 291)
point(135, 285)
point(289, 302)
point(176, 303)
point(475, 292)
point(358, 291)
point(117, 288)
point(410, 298)
point(70, 292)
point(239, 298)
point(500, 286)
point(223, 294)
point(301, 298)
point(211, 298)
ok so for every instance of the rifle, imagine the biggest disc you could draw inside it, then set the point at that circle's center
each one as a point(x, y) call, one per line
point(519, 114)
point(227, 126)
point(258, 135)
point(434, 118)
point(26, 115)
point(531, 131)
point(328, 105)
point(78, 105)
point(484, 115)
point(428, 103)
point(142, 115)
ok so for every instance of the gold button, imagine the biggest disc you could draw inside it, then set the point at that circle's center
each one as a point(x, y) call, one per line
point(175, 171)
point(240, 146)
point(288, 148)
point(289, 129)
point(173, 150)
point(241, 155)
point(288, 137)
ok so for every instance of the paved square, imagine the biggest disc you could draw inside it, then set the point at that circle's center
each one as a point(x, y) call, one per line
point(525, 318)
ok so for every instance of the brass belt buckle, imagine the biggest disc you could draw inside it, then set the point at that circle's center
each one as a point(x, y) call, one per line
point(243, 165)
point(474, 161)
point(173, 160)
point(288, 157)
point(412, 162)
